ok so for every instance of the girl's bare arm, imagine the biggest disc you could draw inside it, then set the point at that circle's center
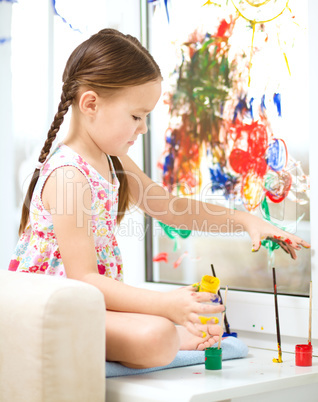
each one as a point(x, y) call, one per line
point(192, 214)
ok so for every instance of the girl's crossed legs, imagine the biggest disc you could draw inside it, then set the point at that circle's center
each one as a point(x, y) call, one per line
point(143, 341)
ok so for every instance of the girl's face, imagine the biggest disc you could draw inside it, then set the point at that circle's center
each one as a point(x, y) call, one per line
point(122, 117)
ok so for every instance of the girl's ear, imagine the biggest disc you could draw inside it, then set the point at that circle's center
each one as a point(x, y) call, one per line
point(88, 103)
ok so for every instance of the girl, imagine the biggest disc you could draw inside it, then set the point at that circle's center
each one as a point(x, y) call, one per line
point(80, 191)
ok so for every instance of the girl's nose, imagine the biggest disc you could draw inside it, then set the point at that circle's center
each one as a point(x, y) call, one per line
point(143, 127)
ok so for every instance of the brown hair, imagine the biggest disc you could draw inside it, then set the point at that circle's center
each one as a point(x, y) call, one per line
point(107, 61)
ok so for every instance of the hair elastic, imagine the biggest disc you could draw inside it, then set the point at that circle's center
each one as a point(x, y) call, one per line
point(39, 165)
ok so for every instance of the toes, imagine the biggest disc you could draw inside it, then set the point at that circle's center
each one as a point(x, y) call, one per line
point(201, 346)
point(214, 329)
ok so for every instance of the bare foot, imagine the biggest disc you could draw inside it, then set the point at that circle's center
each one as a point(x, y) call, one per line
point(189, 341)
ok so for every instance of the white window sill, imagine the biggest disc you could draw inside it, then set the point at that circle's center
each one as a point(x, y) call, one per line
point(254, 378)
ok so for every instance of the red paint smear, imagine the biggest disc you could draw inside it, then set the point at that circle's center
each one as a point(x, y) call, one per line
point(179, 260)
point(224, 32)
point(240, 161)
point(252, 160)
point(257, 139)
point(260, 166)
point(275, 198)
point(222, 28)
point(161, 257)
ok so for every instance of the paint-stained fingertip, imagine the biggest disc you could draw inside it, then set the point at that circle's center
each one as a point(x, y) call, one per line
point(196, 286)
point(255, 248)
point(215, 299)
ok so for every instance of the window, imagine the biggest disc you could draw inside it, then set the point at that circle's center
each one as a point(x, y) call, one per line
point(265, 61)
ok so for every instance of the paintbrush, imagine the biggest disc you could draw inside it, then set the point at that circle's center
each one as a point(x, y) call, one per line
point(223, 315)
point(227, 326)
point(310, 312)
point(279, 360)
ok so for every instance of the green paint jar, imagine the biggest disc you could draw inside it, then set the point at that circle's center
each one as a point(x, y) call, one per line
point(213, 359)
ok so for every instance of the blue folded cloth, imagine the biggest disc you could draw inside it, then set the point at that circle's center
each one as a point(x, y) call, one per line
point(232, 348)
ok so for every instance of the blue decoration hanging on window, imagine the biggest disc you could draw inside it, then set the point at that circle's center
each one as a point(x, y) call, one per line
point(62, 18)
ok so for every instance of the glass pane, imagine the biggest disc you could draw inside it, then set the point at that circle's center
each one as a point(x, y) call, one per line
point(232, 129)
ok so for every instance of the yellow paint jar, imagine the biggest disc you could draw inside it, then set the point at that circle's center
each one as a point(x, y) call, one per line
point(209, 284)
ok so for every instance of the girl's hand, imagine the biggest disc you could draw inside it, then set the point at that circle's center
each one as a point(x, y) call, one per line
point(259, 230)
point(185, 305)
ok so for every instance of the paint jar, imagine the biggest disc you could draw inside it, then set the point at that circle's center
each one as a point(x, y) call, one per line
point(213, 358)
point(209, 284)
point(303, 355)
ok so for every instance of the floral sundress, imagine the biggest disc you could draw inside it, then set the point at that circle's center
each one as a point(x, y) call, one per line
point(37, 250)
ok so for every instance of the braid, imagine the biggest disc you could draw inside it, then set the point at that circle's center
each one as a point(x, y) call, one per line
point(66, 101)
point(123, 192)
point(68, 94)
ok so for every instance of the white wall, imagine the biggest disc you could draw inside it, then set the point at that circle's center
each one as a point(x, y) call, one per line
point(7, 232)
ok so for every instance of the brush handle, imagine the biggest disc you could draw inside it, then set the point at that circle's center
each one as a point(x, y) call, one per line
point(276, 308)
point(226, 323)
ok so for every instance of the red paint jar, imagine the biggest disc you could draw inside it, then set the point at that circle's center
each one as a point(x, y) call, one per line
point(303, 355)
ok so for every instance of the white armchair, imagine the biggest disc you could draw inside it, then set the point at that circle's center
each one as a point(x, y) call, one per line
point(52, 339)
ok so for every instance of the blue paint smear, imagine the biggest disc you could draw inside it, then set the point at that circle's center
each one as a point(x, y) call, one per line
point(251, 108)
point(169, 140)
point(4, 40)
point(263, 107)
point(9, 1)
point(168, 163)
point(221, 181)
point(277, 101)
point(166, 6)
point(276, 155)
point(241, 106)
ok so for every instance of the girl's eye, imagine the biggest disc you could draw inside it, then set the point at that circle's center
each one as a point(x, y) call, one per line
point(137, 118)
